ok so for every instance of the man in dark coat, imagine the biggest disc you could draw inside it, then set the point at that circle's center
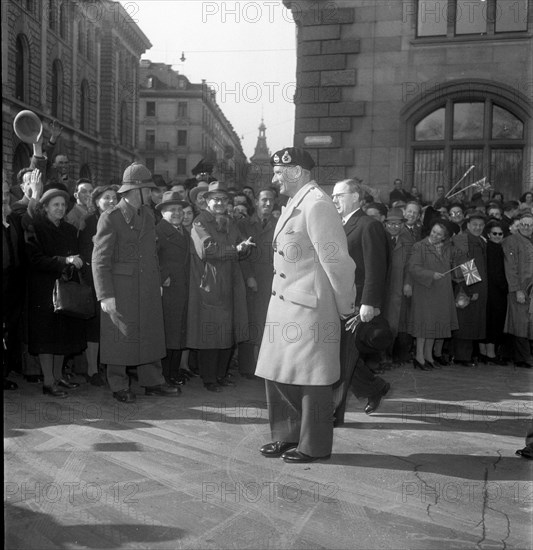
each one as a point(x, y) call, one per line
point(127, 282)
point(369, 248)
point(258, 272)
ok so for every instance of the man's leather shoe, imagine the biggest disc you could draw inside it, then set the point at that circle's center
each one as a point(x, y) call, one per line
point(211, 386)
point(276, 448)
point(163, 389)
point(54, 391)
point(225, 382)
point(124, 396)
point(69, 385)
point(296, 457)
point(524, 365)
point(375, 401)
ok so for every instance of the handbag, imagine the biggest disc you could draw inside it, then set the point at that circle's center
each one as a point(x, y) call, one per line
point(73, 298)
point(462, 299)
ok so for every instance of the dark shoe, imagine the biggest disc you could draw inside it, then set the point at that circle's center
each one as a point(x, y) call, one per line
point(96, 380)
point(176, 382)
point(165, 390)
point(432, 365)
point(33, 378)
point(69, 385)
point(296, 457)
point(54, 391)
point(469, 364)
point(482, 358)
point(526, 452)
point(375, 401)
point(10, 385)
point(276, 448)
point(225, 382)
point(211, 386)
point(523, 365)
point(191, 373)
point(124, 396)
point(417, 365)
point(440, 361)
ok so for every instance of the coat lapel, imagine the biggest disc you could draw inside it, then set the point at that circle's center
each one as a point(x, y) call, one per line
point(289, 209)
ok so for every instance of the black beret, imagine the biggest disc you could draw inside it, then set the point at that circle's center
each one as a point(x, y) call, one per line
point(292, 156)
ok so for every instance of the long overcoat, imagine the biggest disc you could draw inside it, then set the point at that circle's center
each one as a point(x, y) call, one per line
point(125, 266)
point(518, 252)
point(433, 312)
point(174, 250)
point(259, 264)
point(48, 246)
point(313, 286)
point(497, 292)
point(472, 318)
point(397, 305)
point(217, 316)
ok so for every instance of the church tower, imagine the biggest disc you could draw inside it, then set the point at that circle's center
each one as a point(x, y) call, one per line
point(260, 174)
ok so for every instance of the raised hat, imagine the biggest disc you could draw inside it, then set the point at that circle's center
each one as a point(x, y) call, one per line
point(169, 198)
point(193, 193)
point(292, 156)
point(136, 176)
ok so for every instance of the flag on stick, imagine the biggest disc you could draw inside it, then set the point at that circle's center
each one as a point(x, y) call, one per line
point(470, 272)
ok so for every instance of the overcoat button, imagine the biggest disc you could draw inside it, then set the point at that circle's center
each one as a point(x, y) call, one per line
point(273, 293)
point(283, 276)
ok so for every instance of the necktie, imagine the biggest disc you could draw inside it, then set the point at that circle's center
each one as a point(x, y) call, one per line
point(393, 242)
point(264, 222)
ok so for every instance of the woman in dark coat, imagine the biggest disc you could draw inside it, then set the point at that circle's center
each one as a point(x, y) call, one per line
point(173, 250)
point(217, 316)
point(433, 314)
point(52, 246)
point(497, 293)
point(103, 198)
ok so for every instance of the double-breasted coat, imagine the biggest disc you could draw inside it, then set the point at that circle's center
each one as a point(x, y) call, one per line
point(173, 250)
point(125, 267)
point(313, 286)
point(518, 263)
point(472, 318)
point(217, 316)
point(433, 313)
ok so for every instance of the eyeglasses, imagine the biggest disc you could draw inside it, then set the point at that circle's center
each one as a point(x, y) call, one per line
point(219, 199)
point(336, 196)
point(496, 233)
point(394, 224)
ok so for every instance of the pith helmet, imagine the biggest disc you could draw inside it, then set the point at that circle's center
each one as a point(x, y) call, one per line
point(136, 176)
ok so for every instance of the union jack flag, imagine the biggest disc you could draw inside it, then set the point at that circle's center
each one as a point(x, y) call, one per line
point(470, 272)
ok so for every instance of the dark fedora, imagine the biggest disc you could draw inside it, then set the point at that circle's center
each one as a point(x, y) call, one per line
point(216, 187)
point(395, 215)
point(373, 336)
point(169, 198)
point(202, 186)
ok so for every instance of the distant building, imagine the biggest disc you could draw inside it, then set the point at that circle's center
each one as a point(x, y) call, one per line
point(76, 62)
point(260, 172)
point(418, 90)
point(181, 123)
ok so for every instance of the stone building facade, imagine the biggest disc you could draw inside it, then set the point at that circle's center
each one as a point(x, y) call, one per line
point(181, 123)
point(418, 90)
point(76, 62)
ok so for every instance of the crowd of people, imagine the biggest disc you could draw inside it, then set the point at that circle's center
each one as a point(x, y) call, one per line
point(183, 276)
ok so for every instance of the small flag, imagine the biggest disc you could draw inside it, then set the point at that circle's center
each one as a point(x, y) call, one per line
point(482, 184)
point(470, 273)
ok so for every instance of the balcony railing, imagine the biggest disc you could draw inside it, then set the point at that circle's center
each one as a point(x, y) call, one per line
point(161, 147)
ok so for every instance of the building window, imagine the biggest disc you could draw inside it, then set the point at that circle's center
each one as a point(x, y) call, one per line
point(21, 68)
point(182, 109)
point(150, 164)
point(462, 133)
point(471, 17)
point(84, 106)
point(123, 125)
point(182, 166)
point(63, 20)
point(150, 108)
point(52, 15)
point(57, 89)
point(149, 137)
point(81, 38)
point(182, 138)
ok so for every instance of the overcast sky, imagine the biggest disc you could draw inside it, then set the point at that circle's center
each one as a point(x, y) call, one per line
point(246, 50)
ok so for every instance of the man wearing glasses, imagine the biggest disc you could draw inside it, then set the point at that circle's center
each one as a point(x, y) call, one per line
point(368, 246)
point(518, 250)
